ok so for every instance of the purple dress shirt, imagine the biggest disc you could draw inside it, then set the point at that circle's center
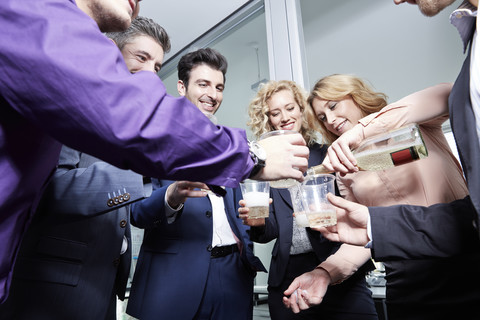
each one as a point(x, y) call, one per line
point(62, 80)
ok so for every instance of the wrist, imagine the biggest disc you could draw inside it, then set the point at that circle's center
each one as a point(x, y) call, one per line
point(322, 270)
point(171, 201)
point(259, 157)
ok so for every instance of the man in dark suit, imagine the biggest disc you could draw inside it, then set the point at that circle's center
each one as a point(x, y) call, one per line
point(75, 257)
point(442, 230)
point(196, 260)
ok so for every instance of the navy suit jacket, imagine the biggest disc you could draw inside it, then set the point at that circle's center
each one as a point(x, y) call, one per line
point(442, 230)
point(172, 268)
point(69, 264)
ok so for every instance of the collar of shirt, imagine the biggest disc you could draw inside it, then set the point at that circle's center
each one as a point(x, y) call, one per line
point(464, 19)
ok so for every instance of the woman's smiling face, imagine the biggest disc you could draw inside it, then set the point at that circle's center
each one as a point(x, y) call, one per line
point(284, 112)
point(337, 116)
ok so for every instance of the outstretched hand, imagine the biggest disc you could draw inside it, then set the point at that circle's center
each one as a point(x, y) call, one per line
point(352, 219)
point(179, 191)
point(287, 157)
point(307, 290)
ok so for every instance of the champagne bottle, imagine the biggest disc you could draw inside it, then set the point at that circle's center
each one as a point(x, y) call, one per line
point(388, 150)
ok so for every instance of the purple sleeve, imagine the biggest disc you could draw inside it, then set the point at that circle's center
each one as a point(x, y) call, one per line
point(63, 75)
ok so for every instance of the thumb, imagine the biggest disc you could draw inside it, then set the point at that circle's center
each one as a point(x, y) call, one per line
point(291, 289)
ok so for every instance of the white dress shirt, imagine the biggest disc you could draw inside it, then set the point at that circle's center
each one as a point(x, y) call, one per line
point(222, 232)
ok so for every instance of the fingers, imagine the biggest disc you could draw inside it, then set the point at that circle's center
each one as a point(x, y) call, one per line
point(347, 156)
point(297, 301)
point(335, 162)
point(302, 299)
point(341, 158)
point(243, 210)
point(295, 139)
point(342, 150)
point(291, 288)
point(341, 203)
point(291, 303)
point(287, 157)
point(300, 160)
point(180, 190)
point(330, 233)
point(192, 185)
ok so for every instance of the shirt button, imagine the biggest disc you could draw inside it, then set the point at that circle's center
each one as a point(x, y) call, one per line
point(123, 223)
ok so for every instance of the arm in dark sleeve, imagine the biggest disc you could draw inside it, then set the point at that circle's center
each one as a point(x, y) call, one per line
point(150, 211)
point(83, 185)
point(414, 232)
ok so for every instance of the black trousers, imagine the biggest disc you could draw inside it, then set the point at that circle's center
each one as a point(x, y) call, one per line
point(350, 300)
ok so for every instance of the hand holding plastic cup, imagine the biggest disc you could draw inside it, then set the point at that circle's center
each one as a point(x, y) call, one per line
point(320, 212)
point(256, 195)
point(283, 183)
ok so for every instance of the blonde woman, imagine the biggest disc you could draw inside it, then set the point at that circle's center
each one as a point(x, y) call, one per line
point(347, 110)
point(281, 105)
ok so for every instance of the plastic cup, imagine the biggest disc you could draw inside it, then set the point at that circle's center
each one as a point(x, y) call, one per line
point(282, 183)
point(320, 212)
point(298, 205)
point(256, 195)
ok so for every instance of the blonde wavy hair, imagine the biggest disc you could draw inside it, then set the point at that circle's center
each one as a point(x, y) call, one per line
point(258, 109)
point(337, 87)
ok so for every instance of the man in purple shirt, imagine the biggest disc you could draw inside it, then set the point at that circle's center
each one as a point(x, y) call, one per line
point(63, 82)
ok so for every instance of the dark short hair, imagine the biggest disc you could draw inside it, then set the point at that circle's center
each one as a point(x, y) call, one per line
point(142, 26)
point(208, 56)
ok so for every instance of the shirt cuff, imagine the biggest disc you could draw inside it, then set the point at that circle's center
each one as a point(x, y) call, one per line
point(170, 213)
point(369, 233)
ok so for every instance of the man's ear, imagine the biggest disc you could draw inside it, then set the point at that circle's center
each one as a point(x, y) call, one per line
point(181, 88)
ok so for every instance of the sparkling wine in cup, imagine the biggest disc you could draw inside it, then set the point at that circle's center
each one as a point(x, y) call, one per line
point(319, 211)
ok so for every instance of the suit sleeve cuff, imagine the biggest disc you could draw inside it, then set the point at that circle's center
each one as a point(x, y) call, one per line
point(369, 233)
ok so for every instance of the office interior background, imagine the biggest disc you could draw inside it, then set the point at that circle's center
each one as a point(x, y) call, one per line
point(396, 48)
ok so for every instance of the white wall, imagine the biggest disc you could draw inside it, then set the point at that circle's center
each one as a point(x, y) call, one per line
point(396, 48)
